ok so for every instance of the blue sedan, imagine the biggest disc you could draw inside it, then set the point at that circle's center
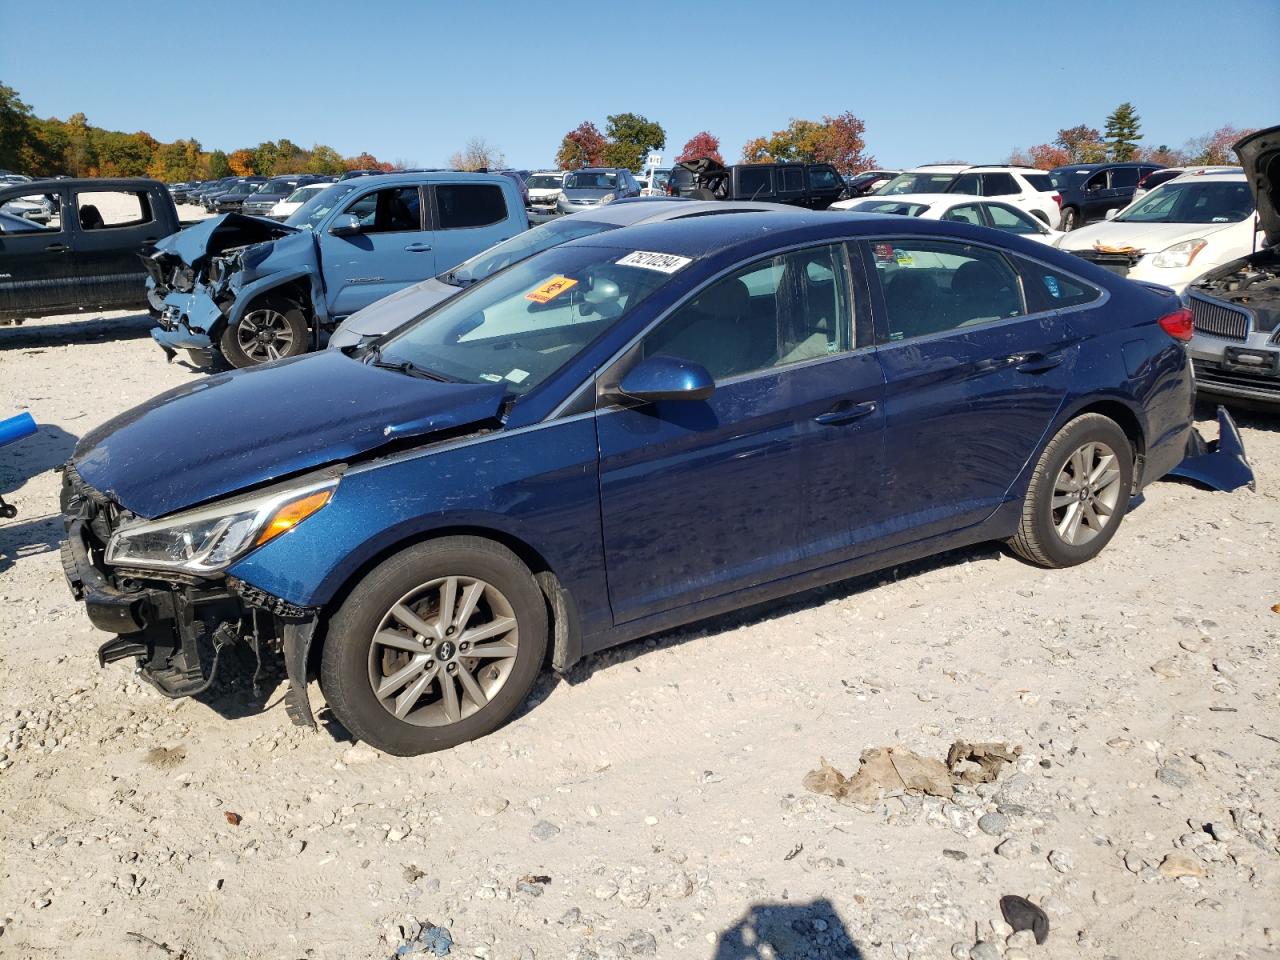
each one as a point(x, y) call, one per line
point(616, 436)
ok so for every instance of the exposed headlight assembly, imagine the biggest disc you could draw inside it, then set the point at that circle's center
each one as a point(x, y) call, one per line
point(607, 197)
point(208, 540)
point(1180, 254)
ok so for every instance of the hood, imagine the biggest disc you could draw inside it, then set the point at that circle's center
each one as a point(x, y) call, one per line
point(1259, 154)
point(227, 433)
point(193, 245)
point(403, 305)
point(1146, 237)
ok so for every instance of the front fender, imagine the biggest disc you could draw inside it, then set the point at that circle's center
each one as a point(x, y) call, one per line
point(249, 292)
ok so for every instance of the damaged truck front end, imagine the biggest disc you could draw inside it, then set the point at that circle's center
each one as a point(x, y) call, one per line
point(207, 278)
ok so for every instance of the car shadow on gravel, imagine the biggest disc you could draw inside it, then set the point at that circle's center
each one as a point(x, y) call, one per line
point(788, 931)
point(91, 328)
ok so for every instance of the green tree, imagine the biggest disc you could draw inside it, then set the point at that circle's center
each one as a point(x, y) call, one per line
point(630, 139)
point(15, 129)
point(218, 166)
point(1123, 126)
point(325, 161)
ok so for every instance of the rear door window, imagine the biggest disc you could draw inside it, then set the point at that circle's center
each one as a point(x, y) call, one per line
point(463, 205)
point(1124, 177)
point(754, 182)
point(1050, 289)
point(964, 213)
point(999, 185)
point(792, 179)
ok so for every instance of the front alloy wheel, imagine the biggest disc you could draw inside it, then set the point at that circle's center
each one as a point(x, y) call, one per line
point(437, 645)
point(271, 329)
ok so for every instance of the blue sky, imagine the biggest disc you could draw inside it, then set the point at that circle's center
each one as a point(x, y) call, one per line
point(414, 80)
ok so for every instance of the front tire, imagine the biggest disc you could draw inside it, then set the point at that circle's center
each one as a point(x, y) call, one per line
point(1078, 494)
point(271, 329)
point(438, 645)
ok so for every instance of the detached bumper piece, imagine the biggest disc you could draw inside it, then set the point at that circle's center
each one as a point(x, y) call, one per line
point(1218, 464)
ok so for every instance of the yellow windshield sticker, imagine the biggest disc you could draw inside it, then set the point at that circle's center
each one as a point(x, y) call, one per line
point(550, 289)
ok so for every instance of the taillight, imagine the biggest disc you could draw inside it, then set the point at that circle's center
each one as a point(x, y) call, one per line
point(1057, 198)
point(1178, 324)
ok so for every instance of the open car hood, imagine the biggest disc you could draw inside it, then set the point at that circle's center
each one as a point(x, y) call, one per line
point(1259, 154)
point(232, 432)
point(208, 238)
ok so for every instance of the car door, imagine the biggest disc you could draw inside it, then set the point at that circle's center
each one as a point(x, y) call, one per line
point(1003, 185)
point(469, 217)
point(110, 229)
point(1121, 187)
point(1094, 196)
point(394, 248)
point(769, 476)
point(972, 379)
point(37, 267)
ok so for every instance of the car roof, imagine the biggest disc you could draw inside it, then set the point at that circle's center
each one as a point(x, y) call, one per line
point(657, 210)
point(436, 176)
point(1219, 176)
point(938, 168)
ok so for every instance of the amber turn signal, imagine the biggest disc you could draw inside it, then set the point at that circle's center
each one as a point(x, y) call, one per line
point(292, 514)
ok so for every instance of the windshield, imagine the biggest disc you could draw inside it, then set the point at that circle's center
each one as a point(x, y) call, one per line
point(1220, 201)
point(522, 325)
point(521, 247)
point(543, 181)
point(302, 194)
point(244, 188)
point(897, 207)
point(916, 183)
point(590, 180)
point(317, 208)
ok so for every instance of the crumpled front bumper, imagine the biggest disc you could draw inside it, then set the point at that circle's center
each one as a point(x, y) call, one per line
point(1219, 464)
point(185, 323)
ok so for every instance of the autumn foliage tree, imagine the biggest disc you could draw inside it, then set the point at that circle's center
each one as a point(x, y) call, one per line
point(701, 144)
point(478, 154)
point(1215, 148)
point(836, 140)
point(241, 162)
point(583, 146)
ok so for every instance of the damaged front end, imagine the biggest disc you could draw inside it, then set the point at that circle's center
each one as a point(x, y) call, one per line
point(195, 277)
point(169, 603)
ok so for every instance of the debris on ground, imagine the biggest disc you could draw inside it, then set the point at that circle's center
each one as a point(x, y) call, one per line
point(896, 770)
point(1021, 914)
point(232, 818)
point(430, 940)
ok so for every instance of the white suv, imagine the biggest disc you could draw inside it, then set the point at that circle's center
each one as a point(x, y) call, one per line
point(1025, 187)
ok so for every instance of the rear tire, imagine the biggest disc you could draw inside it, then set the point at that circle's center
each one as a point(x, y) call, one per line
point(273, 328)
point(1078, 494)
point(1070, 219)
point(384, 677)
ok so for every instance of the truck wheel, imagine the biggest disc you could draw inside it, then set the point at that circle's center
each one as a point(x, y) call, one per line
point(271, 329)
point(1070, 219)
point(436, 646)
point(155, 303)
point(1078, 494)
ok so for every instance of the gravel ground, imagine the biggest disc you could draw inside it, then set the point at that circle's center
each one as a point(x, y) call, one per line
point(652, 804)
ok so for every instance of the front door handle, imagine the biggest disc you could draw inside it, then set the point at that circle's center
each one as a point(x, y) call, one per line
point(418, 248)
point(843, 415)
point(57, 248)
point(1039, 362)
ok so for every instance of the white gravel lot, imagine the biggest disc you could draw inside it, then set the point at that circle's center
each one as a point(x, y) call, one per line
point(659, 789)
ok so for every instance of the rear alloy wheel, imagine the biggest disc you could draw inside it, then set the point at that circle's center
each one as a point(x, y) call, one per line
point(1077, 495)
point(1070, 219)
point(270, 330)
point(438, 645)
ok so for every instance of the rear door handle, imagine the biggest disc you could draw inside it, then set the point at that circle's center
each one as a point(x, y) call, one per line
point(836, 418)
point(418, 248)
point(57, 248)
point(1039, 362)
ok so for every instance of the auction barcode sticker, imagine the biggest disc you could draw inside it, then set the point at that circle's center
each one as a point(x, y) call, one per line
point(662, 262)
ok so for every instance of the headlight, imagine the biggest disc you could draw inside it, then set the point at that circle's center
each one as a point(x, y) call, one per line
point(607, 197)
point(208, 540)
point(1180, 254)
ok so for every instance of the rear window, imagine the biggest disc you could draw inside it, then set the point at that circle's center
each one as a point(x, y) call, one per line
point(470, 205)
point(1040, 182)
point(754, 181)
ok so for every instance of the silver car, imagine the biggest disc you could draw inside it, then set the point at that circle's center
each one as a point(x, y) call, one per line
point(389, 312)
point(1236, 307)
point(594, 186)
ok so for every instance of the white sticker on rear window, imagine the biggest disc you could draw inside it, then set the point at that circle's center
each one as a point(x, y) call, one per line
point(662, 262)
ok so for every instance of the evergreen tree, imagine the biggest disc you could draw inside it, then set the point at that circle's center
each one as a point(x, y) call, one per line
point(1122, 132)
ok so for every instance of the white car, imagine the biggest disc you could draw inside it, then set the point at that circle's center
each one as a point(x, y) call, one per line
point(285, 208)
point(544, 190)
point(1178, 231)
point(1165, 174)
point(1027, 188)
point(957, 208)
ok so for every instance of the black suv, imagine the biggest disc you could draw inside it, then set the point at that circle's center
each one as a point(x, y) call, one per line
point(1089, 190)
point(812, 185)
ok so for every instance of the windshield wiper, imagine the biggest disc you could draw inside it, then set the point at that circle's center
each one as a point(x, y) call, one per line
point(407, 367)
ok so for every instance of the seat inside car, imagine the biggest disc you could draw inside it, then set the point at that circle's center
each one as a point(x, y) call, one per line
point(91, 218)
point(715, 331)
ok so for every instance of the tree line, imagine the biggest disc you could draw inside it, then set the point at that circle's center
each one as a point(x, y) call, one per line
point(48, 147)
point(1119, 140)
point(628, 138)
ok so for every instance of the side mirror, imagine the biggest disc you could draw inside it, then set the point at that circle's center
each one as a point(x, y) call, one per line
point(667, 378)
point(1111, 214)
point(345, 225)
